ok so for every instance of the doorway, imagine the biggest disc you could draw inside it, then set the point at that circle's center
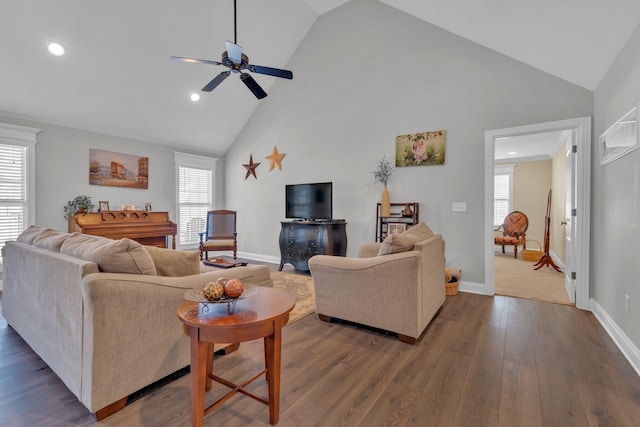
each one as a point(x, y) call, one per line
point(531, 178)
point(577, 266)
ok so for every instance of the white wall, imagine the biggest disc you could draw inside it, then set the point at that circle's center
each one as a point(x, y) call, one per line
point(62, 172)
point(364, 74)
point(615, 216)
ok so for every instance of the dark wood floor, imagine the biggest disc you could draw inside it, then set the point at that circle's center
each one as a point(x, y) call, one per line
point(484, 361)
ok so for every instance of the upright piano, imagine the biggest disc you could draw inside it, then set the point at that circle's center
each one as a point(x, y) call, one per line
point(147, 228)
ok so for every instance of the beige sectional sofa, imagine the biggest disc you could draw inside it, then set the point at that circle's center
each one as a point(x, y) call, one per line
point(397, 285)
point(102, 313)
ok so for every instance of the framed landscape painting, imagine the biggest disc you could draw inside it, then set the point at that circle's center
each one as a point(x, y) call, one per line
point(118, 169)
point(421, 149)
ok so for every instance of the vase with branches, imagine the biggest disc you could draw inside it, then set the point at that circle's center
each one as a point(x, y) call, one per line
point(382, 173)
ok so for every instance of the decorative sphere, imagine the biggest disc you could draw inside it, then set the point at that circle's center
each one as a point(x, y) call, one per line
point(213, 291)
point(222, 280)
point(233, 288)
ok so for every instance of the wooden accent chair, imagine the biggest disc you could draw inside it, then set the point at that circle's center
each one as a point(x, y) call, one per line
point(220, 234)
point(514, 230)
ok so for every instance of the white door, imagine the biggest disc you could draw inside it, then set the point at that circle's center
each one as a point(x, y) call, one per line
point(569, 218)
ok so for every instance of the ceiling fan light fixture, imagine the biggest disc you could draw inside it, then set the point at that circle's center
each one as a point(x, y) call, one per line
point(237, 62)
point(56, 49)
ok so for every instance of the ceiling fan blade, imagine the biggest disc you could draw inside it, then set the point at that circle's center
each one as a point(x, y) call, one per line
point(253, 85)
point(277, 72)
point(195, 60)
point(235, 52)
point(216, 81)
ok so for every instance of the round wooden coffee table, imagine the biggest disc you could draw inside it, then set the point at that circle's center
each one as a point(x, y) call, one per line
point(261, 316)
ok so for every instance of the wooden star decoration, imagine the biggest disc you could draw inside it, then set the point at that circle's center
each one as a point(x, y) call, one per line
point(274, 159)
point(251, 168)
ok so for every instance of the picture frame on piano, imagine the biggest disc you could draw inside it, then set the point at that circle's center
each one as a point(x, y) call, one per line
point(103, 206)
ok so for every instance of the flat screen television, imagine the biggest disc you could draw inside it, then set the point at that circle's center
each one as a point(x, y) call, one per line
point(309, 201)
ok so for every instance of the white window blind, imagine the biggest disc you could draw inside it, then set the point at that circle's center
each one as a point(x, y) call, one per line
point(13, 191)
point(195, 195)
point(17, 180)
point(502, 193)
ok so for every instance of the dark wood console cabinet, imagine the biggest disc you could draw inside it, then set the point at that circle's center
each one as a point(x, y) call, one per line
point(300, 240)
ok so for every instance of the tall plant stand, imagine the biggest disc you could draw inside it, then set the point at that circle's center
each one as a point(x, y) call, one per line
point(546, 258)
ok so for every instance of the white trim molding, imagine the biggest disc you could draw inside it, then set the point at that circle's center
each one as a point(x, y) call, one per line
point(626, 346)
point(471, 287)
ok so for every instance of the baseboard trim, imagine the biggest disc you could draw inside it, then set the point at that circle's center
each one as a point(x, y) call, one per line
point(472, 287)
point(628, 349)
point(259, 257)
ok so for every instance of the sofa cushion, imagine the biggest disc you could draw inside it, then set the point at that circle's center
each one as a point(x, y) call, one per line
point(172, 263)
point(405, 241)
point(50, 239)
point(30, 233)
point(112, 256)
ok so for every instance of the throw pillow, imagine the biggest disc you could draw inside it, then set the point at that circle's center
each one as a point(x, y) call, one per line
point(112, 256)
point(50, 239)
point(405, 241)
point(30, 233)
point(174, 263)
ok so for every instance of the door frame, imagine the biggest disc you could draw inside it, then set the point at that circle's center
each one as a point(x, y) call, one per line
point(582, 129)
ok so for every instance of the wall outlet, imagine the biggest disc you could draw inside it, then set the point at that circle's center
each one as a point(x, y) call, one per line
point(459, 207)
point(626, 303)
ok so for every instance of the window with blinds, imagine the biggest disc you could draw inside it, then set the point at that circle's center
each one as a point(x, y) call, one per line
point(502, 194)
point(195, 195)
point(13, 192)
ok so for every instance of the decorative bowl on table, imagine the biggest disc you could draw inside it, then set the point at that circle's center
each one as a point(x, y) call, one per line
point(218, 293)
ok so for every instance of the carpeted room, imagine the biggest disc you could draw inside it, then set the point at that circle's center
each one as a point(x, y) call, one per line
point(517, 278)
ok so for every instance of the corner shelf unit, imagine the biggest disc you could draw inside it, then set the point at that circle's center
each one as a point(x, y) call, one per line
point(396, 217)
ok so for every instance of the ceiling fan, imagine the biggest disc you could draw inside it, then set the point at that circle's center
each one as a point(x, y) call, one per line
point(237, 62)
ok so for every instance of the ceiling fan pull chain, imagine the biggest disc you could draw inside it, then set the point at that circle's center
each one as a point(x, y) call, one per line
point(235, 24)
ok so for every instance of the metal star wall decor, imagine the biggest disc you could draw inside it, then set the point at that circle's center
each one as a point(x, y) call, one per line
point(251, 168)
point(274, 159)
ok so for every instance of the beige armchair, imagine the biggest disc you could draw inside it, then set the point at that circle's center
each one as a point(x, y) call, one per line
point(399, 292)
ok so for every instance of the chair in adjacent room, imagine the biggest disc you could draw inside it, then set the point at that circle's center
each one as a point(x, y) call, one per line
point(220, 233)
point(514, 230)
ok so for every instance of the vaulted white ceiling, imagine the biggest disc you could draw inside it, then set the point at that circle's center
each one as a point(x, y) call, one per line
point(116, 77)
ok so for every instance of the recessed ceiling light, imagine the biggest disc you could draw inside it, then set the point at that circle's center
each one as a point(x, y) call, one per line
point(512, 153)
point(195, 97)
point(56, 49)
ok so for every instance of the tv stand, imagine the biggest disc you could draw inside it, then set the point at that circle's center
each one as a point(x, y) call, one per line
point(300, 240)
